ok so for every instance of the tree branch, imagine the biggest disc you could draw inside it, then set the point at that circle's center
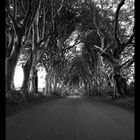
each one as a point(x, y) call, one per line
point(110, 58)
point(34, 14)
point(116, 20)
point(10, 46)
point(62, 3)
point(36, 24)
point(43, 49)
point(108, 46)
point(27, 17)
point(101, 35)
point(27, 34)
point(124, 45)
point(21, 6)
point(52, 15)
point(33, 37)
point(44, 20)
point(43, 39)
point(15, 27)
point(97, 28)
point(15, 9)
point(31, 20)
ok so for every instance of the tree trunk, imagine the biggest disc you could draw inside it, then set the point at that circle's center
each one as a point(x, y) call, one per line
point(46, 85)
point(11, 64)
point(85, 84)
point(26, 70)
point(10, 70)
point(120, 84)
point(50, 84)
point(34, 80)
point(98, 88)
point(56, 80)
point(19, 33)
point(98, 81)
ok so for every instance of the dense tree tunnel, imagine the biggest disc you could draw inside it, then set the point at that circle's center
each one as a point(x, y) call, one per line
point(85, 47)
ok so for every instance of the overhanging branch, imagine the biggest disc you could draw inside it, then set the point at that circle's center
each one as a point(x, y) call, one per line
point(21, 6)
point(43, 49)
point(27, 15)
point(44, 20)
point(15, 27)
point(15, 9)
point(116, 20)
point(110, 58)
point(43, 39)
point(60, 7)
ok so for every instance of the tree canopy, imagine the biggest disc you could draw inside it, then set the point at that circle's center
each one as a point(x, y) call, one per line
point(78, 42)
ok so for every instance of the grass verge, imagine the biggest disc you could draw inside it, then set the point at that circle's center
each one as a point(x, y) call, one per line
point(127, 103)
point(13, 108)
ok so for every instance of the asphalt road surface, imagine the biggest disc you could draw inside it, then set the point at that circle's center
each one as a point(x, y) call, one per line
point(71, 119)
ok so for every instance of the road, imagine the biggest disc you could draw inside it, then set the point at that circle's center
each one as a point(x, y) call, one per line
point(71, 119)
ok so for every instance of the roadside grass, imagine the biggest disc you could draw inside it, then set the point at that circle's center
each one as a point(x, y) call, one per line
point(106, 96)
point(13, 107)
point(127, 103)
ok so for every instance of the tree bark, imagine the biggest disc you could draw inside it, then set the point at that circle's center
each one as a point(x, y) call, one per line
point(34, 80)
point(121, 84)
point(46, 85)
point(19, 32)
point(10, 69)
point(26, 70)
point(11, 64)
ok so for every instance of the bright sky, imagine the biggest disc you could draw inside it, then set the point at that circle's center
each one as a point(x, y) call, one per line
point(41, 78)
point(18, 78)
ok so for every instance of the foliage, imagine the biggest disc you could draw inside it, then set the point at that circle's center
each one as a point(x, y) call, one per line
point(79, 42)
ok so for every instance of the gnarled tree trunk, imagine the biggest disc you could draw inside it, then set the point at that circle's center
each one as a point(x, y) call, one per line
point(11, 63)
point(34, 80)
point(120, 84)
point(19, 32)
point(26, 70)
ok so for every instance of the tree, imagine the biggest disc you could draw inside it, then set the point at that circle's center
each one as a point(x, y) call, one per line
point(20, 22)
point(26, 70)
point(120, 82)
point(101, 23)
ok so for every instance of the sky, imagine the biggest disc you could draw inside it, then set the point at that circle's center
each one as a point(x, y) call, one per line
point(18, 78)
